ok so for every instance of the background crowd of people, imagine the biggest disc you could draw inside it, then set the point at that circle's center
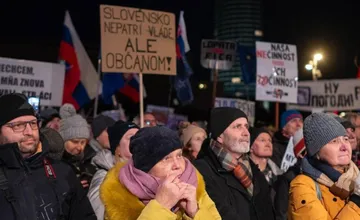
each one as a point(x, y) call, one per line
point(58, 166)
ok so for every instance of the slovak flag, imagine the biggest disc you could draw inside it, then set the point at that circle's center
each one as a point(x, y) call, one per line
point(181, 80)
point(81, 79)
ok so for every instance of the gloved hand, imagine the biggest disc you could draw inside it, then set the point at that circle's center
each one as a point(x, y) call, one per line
point(357, 185)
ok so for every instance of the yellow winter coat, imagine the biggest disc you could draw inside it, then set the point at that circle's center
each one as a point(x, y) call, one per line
point(304, 203)
point(120, 204)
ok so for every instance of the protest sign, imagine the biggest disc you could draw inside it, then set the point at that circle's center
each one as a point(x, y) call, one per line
point(277, 72)
point(328, 95)
point(216, 54)
point(248, 107)
point(174, 120)
point(289, 158)
point(137, 40)
point(33, 79)
point(161, 113)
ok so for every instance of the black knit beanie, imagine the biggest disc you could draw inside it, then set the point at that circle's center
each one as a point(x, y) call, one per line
point(117, 131)
point(100, 123)
point(221, 118)
point(13, 106)
point(255, 132)
point(48, 115)
point(151, 144)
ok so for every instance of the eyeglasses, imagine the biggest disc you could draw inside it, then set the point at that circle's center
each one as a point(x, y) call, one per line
point(18, 127)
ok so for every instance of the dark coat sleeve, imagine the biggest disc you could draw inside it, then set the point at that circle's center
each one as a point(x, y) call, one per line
point(278, 153)
point(213, 188)
point(77, 201)
point(281, 187)
point(281, 200)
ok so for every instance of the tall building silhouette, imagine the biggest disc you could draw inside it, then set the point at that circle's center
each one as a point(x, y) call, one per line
point(240, 21)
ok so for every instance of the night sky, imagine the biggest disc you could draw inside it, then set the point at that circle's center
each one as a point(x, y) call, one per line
point(33, 31)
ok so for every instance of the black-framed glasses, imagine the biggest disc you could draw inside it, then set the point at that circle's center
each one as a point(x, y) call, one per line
point(21, 125)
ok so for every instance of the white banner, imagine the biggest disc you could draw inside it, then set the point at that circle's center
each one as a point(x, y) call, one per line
point(248, 107)
point(328, 95)
point(31, 78)
point(277, 72)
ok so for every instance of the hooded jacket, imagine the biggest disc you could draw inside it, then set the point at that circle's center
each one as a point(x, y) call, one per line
point(37, 195)
point(104, 161)
point(304, 203)
point(121, 204)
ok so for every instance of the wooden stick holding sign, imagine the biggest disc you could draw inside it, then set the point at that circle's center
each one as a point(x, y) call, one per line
point(277, 115)
point(215, 80)
point(141, 89)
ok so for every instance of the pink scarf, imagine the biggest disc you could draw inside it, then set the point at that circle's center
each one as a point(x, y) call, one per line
point(144, 186)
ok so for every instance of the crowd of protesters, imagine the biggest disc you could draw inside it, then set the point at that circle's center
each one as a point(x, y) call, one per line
point(56, 165)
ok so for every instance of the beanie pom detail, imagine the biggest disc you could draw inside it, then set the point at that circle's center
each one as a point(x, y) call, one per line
point(67, 111)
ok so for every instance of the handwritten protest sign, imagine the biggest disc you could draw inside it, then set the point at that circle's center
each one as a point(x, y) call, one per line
point(217, 54)
point(289, 158)
point(277, 72)
point(31, 78)
point(137, 40)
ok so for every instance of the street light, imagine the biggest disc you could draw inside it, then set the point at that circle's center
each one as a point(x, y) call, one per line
point(312, 65)
point(318, 56)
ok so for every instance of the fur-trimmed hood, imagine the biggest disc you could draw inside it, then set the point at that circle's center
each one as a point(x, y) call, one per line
point(120, 203)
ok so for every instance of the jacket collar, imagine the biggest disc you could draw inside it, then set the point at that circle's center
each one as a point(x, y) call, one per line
point(121, 202)
point(10, 156)
point(229, 177)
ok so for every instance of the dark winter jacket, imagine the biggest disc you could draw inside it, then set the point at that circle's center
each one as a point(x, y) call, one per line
point(280, 143)
point(82, 167)
point(36, 196)
point(281, 187)
point(231, 199)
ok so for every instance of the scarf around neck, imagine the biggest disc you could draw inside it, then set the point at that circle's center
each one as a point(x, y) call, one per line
point(340, 184)
point(144, 186)
point(239, 166)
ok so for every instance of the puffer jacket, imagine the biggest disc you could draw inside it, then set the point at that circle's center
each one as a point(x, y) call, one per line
point(121, 204)
point(104, 161)
point(305, 204)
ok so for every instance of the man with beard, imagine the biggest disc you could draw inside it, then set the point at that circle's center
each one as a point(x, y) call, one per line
point(75, 132)
point(32, 185)
point(233, 181)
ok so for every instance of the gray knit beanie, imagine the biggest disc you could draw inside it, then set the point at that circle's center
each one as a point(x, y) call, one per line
point(72, 125)
point(320, 129)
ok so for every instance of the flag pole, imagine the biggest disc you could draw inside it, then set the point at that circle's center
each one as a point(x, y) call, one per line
point(141, 88)
point(96, 105)
point(277, 115)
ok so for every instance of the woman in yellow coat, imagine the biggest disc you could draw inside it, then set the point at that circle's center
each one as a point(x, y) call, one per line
point(329, 187)
point(157, 183)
